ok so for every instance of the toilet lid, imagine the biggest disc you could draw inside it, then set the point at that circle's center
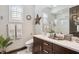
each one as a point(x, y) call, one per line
point(29, 41)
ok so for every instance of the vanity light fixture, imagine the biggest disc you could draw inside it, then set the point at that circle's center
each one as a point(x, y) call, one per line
point(78, 18)
point(77, 21)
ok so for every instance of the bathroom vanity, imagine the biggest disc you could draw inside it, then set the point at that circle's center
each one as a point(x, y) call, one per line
point(44, 45)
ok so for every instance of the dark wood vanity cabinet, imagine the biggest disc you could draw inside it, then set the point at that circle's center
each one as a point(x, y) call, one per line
point(37, 46)
point(47, 47)
point(61, 50)
point(44, 47)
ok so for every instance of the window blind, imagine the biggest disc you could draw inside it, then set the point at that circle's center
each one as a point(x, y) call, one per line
point(15, 13)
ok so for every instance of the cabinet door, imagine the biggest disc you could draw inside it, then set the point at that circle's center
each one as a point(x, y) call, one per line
point(61, 50)
point(37, 46)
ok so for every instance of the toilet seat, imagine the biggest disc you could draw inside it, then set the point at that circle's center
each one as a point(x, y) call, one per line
point(29, 42)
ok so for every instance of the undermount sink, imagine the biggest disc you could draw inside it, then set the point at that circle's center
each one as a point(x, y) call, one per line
point(63, 37)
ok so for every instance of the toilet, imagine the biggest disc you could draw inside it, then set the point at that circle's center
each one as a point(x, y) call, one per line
point(29, 44)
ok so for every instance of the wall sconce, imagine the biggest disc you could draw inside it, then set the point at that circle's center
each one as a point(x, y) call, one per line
point(78, 18)
point(75, 18)
point(77, 21)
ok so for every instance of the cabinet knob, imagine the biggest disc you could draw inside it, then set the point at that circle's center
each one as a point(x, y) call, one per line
point(45, 51)
point(45, 43)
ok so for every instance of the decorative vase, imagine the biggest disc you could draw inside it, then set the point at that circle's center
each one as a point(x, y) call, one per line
point(48, 34)
point(51, 35)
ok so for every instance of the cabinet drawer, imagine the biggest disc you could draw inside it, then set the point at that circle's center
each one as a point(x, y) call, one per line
point(45, 43)
point(47, 47)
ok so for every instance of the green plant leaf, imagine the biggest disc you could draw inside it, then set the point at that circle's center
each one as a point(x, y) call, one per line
point(1, 41)
point(4, 42)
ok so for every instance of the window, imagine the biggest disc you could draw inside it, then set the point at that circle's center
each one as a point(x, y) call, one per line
point(15, 22)
point(14, 31)
point(15, 13)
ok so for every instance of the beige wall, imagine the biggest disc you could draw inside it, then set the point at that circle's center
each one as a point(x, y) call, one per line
point(4, 13)
point(27, 25)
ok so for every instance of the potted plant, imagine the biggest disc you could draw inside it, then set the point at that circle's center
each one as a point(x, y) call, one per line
point(4, 43)
point(52, 32)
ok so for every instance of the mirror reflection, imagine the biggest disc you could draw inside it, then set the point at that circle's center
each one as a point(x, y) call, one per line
point(56, 18)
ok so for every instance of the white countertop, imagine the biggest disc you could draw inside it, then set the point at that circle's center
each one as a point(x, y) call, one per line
point(72, 45)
